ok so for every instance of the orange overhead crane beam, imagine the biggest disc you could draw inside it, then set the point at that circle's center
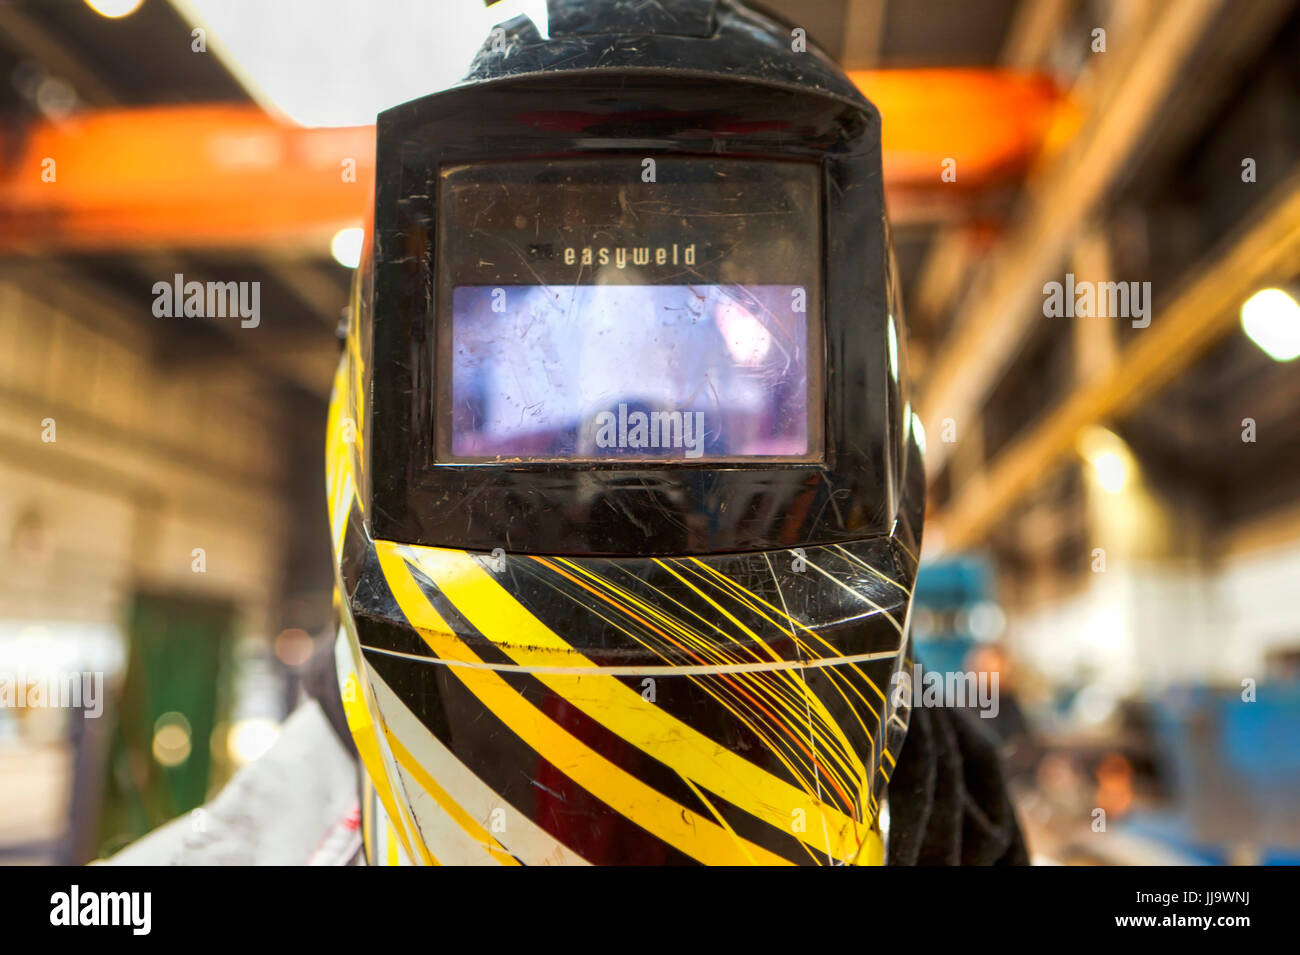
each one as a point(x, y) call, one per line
point(993, 123)
point(189, 176)
point(229, 175)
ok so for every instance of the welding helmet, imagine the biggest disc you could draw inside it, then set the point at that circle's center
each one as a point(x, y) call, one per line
point(625, 490)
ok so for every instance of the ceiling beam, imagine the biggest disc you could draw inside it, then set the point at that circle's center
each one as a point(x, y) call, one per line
point(1266, 251)
point(991, 122)
point(196, 176)
point(999, 312)
point(952, 252)
point(233, 148)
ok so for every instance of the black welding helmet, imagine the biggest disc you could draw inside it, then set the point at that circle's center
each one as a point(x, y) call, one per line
point(625, 490)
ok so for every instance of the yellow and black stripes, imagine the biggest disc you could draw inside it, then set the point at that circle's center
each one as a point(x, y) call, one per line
point(811, 795)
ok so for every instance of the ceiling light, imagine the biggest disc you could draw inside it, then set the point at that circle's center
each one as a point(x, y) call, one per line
point(113, 9)
point(346, 246)
point(1109, 457)
point(1271, 319)
point(1112, 472)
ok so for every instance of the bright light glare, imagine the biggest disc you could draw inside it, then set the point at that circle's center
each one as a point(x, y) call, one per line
point(341, 62)
point(249, 739)
point(113, 9)
point(1112, 473)
point(893, 349)
point(171, 739)
point(748, 340)
point(346, 246)
point(1109, 457)
point(1271, 319)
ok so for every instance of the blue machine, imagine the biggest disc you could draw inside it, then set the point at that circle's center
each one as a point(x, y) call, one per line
point(946, 592)
point(1235, 766)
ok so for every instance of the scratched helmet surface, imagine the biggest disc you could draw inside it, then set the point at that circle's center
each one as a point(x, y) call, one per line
point(625, 490)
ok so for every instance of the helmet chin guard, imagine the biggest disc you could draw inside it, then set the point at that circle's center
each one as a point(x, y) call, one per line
point(625, 491)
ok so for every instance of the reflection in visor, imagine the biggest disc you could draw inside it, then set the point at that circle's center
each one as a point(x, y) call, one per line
point(629, 371)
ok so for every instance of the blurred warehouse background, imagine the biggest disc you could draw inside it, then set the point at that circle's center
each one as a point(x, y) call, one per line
point(1114, 519)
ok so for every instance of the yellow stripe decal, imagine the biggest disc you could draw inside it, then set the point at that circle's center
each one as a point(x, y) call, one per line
point(687, 831)
point(492, 610)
